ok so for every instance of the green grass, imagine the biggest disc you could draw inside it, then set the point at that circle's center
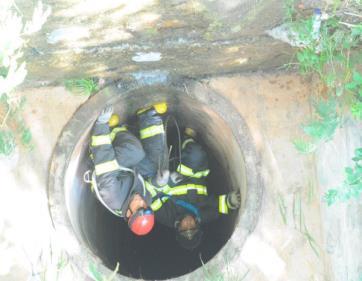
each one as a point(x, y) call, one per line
point(282, 208)
point(311, 241)
point(97, 276)
point(83, 87)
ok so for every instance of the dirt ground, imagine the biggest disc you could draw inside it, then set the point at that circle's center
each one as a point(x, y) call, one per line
point(288, 242)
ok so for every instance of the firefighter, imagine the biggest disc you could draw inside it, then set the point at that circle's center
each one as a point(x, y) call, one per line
point(132, 179)
point(184, 203)
point(122, 162)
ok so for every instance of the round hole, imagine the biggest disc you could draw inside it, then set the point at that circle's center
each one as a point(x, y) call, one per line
point(105, 237)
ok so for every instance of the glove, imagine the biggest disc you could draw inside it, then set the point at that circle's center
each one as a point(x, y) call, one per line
point(105, 115)
point(176, 177)
point(162, 177)
point(233, 200)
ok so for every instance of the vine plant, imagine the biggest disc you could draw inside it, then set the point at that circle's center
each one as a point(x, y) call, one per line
point(332, 51)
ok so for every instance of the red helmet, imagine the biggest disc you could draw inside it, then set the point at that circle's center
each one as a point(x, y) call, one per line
point(141, 222)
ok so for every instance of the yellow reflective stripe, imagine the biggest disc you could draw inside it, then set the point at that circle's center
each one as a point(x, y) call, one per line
point(156, 205)
point(150, 188)
point(223, 207)
point(186, 142)
point(106, 167)
point(186, 171)
point(153, 189)
point(183, 189)
point(116, 130)
point(100, 140)
point(151, 131)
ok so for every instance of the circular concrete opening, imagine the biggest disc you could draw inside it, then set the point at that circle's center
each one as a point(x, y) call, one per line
point(106, 238)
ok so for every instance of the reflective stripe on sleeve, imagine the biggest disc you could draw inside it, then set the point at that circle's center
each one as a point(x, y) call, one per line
point(183, 189)
point(188, 172)
point(223, 207)
point(100, 140)
point(157, 204)
point(151, 131)
point(186, 142)
point(117, 130)
point(106, 167)
point(150, 188)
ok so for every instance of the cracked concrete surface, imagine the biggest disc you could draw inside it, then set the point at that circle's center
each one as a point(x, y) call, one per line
point(272, 104)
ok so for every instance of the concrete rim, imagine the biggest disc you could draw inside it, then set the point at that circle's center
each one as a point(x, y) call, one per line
point(86, 115)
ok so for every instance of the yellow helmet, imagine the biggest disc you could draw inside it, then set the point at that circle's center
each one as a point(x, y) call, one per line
point(161, 107)
point(114, 120)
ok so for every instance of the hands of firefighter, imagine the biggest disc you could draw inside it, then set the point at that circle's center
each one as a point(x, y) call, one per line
point(162, 177)
point(176, 177)
point(233, 200)
point(105, 115)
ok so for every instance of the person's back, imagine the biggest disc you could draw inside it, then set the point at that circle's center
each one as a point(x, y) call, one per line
point(121, 162)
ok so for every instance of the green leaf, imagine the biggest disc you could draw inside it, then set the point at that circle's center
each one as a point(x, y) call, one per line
point(7, 142)
point(356, 110)
point(331, 196)
point(26, 136)
point(320, 130)
point(357, 30)
point(348, 170)
point(95, 273)
point(357, 77)
point(358, 153)
point(351, 86)
point(326, 109)
point(303, 146)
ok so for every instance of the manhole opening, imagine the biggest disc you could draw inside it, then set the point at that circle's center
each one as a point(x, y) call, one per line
point(156, 256)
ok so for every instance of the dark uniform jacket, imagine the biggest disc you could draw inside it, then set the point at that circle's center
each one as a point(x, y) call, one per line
point(116, 186)
point(116, 148)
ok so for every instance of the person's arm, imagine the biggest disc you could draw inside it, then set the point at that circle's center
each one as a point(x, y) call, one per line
point(212, 207)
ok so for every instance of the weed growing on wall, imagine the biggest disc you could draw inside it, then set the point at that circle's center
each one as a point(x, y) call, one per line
point(331, 50)
point(14, 36)
point(352, 184)
point(332, 56)
point(84, 87)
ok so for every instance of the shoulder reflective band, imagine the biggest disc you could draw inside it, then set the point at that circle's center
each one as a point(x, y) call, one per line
point(117, 130)
point(100, 140)
point(154, 190)
point(183, 189)
point(223, 207)
point(106, 167)
point(151, 131)
point(186, 142)
point(157, 204)
point(188, 172)
point(150, 188)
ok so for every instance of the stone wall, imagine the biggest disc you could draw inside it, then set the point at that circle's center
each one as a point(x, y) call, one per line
point(193, 38)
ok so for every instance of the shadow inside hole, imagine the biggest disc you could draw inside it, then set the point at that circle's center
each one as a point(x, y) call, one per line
point(157, 255)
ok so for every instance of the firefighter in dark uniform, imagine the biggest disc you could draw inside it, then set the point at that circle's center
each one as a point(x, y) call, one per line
point(131, 183)
point(184, 203)
point(122, 162)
